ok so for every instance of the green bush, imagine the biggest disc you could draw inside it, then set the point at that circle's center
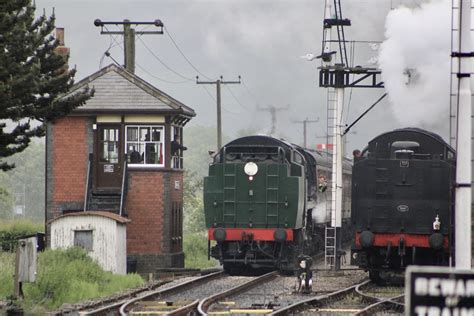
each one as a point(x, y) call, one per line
point(195, 251)
point(10, 231)
point(7, 270)
point(71, 276)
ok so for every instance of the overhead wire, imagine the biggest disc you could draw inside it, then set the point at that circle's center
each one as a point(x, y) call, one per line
point(107, 53)
point(113, 39)
point(251, 94)
point(182, 54)
point(158, 78)
point(197, 70)
point(209, 93)
point(235, 98)
point(214, 99)
point(163, 63)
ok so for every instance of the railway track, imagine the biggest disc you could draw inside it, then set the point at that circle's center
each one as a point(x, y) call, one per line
point(363, 298)
point(191, 296)
point(275, 293)
point(344, 292)
point(114, 308)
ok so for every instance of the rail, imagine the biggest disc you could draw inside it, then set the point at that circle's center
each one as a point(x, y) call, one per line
point(383, 306)
point(124, 188)
point(125, 308)
point(318, 300)
point(88, 182)
point(207, 302)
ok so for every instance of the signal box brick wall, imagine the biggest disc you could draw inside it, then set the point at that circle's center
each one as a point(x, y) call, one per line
point(68, 144)
point(150, 240)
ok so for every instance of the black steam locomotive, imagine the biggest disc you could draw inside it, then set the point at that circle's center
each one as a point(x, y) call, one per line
point(264, 203)
point(401, 201)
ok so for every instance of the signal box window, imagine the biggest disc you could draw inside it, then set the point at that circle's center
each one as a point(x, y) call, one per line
point(144, 145)
point(177, 148)
point(109, 140)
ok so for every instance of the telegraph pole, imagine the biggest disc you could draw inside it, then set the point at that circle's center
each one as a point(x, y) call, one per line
point(218, 101)
point(273, 110)
point(304, 122)
point(129, 37)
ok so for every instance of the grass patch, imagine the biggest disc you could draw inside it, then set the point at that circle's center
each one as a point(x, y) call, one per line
point(64, 276)
point(25, 225)
point(195, 251)
point(7, 270)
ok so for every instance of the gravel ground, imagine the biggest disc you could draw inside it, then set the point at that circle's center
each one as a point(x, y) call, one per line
point(281, 291)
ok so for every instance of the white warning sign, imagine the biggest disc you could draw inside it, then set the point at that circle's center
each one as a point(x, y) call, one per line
point(439, 291)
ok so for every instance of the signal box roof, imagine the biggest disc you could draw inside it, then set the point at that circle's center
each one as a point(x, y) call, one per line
point(119, 91)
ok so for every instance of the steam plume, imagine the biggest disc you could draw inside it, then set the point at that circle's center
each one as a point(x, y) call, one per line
point(415, 64)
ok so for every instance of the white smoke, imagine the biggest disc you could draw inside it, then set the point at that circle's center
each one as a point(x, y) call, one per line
point(320, 214)
point(415, 63)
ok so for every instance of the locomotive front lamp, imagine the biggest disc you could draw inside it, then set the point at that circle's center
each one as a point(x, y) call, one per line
point(250, 169)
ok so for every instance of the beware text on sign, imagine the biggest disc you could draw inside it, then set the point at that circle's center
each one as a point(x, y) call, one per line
point(439, 291)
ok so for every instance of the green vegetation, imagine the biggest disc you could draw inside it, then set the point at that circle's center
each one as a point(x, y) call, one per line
point(195, 251)
point(64, 276)
point(23, 186)
point(199, 140)
point(11, 230)
point(195, 238)
point(7, 270)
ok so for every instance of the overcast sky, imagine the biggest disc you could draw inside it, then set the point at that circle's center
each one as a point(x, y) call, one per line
point(260, 40)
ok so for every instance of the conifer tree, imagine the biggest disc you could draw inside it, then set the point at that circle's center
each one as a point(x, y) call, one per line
point(32, 77)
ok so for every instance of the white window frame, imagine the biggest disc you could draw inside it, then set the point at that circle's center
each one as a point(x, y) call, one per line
point(143, 142)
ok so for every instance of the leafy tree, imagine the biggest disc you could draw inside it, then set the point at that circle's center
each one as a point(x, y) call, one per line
point(24, 185)
point(32, 77)
point(193, 203)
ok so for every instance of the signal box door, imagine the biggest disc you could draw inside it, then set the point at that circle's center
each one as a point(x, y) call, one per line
point(108, 158)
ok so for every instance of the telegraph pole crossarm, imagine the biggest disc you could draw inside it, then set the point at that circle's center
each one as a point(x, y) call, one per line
point(305, 122)
point(272, 110)
point(157, 23)
point(218, 101)
point(129, 37)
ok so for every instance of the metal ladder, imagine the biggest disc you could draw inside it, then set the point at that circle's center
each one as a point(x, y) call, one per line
point(330, 246)
point(329, 235)
point(228, 210)
point(272, 186)
point(331, 119)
